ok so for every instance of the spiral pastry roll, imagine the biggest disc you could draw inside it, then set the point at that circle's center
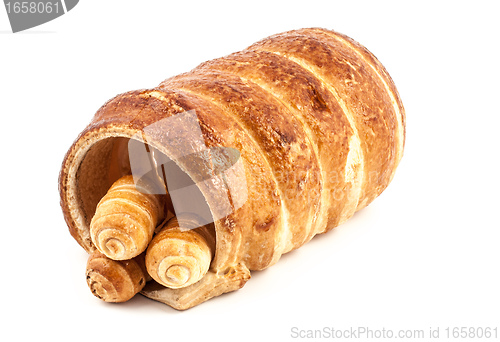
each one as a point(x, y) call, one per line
point(179, 255)
point(125, 219)
point(113, 280)
point(319, 130)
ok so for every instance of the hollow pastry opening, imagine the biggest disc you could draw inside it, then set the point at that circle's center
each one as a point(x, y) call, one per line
point(108, 160)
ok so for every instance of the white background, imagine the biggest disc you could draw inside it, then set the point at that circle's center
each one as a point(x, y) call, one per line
point(424, 254)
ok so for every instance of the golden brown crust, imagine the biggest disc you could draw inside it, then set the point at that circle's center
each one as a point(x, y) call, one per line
point(363, 95)
point(380, 70)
